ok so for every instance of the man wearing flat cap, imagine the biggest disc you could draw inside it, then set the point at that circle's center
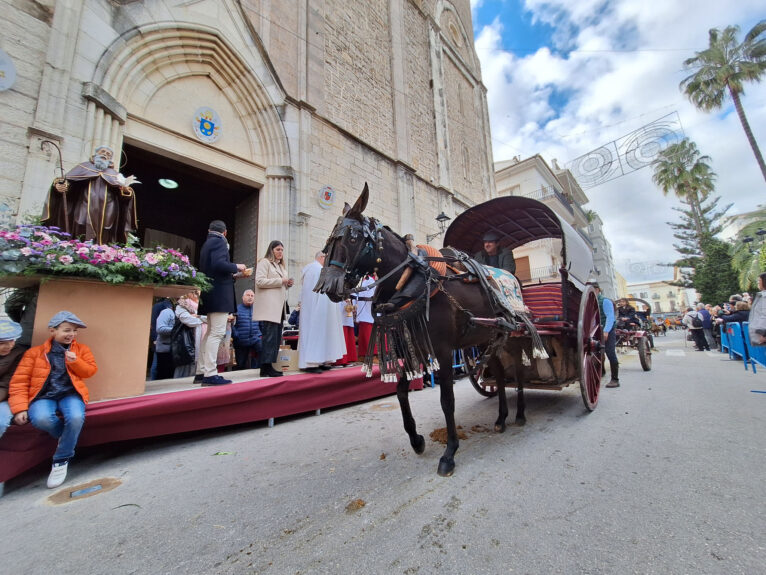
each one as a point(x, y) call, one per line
point(494, 255)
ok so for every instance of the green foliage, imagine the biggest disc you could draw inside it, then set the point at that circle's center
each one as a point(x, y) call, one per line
point(690, 244)
point(750, 264)
point(38, 250)
point(714, 276)
point(723, 69)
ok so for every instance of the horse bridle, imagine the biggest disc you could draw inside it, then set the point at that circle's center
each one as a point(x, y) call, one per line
point(368, 257)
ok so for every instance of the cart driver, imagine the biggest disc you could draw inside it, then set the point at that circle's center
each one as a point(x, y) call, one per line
point(626, 315)
point(494, 255)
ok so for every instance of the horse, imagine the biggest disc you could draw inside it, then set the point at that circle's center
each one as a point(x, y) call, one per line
point(360, 245)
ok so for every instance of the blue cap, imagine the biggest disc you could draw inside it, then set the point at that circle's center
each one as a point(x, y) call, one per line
point(9, 330)
point(63, 316)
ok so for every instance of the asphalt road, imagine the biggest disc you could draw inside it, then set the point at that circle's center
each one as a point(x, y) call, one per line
point(666, 477)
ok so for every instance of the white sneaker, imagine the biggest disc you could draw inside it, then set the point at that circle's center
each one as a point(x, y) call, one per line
point(57, 475)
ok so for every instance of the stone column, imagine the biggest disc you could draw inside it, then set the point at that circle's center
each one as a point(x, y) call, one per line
point(50, 113)
point(274, 208)
point(440, 108)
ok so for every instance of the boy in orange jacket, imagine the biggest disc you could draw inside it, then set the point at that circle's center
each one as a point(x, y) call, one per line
point(48, 383)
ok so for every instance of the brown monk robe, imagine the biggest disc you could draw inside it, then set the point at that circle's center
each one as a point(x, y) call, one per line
point(95, 202)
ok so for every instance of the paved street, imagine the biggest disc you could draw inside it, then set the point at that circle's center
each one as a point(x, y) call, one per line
point(666, 477)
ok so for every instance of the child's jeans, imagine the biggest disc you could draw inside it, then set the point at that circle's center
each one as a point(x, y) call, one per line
point(43, 414)
point(5, 416)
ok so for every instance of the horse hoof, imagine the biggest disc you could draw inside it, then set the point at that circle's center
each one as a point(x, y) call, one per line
point(446, 467)
point(418, 444)
point(500, 427)
point(521, 421)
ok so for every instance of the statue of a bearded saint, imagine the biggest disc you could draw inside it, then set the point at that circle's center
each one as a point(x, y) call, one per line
point(93, 200)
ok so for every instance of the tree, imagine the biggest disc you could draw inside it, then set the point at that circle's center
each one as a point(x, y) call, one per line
point(690, 245)
point(714, 278)
point(682, 169)
point(748, 252)
point(723, 69)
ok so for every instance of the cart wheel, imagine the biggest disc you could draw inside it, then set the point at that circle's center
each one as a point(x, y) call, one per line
point(590, 352)
point(645, 353)
point(478, 372)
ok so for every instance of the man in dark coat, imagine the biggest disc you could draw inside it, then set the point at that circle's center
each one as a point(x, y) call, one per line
point(495, 256)
point(93, 201)
point(218, 302)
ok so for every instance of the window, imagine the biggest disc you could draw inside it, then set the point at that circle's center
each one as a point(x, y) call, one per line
point(643, 295)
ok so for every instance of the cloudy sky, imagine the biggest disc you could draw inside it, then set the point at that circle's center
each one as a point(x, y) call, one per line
point(565, 77)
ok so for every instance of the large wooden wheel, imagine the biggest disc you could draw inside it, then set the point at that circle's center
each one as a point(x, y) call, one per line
point(478, 372)
point(645, 353)
point(590, 350)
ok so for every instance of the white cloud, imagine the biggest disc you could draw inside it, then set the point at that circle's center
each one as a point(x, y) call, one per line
point(623, 73)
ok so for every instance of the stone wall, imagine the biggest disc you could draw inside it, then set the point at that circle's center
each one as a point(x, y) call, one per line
point(312, 93)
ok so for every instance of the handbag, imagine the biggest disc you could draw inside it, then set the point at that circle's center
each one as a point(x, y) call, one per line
point(182, 346)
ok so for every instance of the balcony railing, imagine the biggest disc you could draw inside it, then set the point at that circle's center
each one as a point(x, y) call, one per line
point(548, 192)
point(541, 273)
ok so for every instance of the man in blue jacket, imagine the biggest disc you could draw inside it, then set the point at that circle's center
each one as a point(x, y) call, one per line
point(606, 307)
point(246, 333)
point(218, 302)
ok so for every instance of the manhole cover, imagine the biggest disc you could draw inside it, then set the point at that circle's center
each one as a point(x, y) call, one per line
point(84, 490)
point(385, 406)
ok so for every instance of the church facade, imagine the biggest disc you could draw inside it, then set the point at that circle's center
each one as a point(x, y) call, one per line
point(269, 115)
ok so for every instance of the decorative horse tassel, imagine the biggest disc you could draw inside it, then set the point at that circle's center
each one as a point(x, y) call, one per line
point(404, 345)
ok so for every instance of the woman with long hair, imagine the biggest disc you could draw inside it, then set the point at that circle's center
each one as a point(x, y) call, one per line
point(271, 283)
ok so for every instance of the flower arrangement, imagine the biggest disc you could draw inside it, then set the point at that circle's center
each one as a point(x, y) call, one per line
point(41, 250)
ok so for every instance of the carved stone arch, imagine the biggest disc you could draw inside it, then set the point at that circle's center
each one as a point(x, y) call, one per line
point(453, 31)
point(148, 58)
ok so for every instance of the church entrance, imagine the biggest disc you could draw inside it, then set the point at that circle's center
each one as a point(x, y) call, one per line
point(176, 201)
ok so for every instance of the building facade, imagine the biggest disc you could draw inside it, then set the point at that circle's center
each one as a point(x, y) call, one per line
point(665, 299)
point(605, 272)
point(268, 115)
point(558, 189)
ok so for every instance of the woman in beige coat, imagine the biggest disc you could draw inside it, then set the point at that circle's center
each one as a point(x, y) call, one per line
point(271, 283)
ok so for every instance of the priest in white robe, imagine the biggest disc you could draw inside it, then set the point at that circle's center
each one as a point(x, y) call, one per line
point(320, 341)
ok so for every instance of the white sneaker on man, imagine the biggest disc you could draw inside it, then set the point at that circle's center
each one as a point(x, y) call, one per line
point(57, 475)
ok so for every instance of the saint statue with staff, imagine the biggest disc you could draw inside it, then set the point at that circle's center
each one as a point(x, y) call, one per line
point(93, 201)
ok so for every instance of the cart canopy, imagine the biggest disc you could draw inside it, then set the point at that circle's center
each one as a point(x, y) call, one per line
point(520, 220)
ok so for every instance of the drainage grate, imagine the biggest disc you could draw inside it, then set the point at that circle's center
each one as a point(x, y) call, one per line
point(84, 490)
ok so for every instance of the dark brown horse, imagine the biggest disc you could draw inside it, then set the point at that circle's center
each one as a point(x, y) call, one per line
point(359, 245)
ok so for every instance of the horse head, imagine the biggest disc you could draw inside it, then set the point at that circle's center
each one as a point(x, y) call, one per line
point(351, 250)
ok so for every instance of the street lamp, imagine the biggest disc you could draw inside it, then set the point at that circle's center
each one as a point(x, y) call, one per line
point(442, 220)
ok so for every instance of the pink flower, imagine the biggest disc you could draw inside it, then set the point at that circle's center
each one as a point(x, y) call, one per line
point(83, 250)
point(151, 258)
point(66, 259)
point(26, 251)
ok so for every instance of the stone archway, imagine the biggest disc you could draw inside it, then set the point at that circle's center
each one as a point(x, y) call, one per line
point(150, 77)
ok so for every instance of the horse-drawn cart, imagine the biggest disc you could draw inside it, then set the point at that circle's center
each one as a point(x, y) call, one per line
point(564, 312)
point(635, 333)
point(430, 303)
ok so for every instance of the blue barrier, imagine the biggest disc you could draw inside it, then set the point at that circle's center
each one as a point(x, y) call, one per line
point(725, 344)
point(757, 353)
point(737, 341)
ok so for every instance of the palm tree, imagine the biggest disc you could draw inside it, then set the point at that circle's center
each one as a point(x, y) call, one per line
point(682, 169)
point(724, 68)
point(748, 251)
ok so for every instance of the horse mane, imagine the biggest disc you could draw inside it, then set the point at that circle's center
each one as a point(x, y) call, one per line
point(395, 234)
